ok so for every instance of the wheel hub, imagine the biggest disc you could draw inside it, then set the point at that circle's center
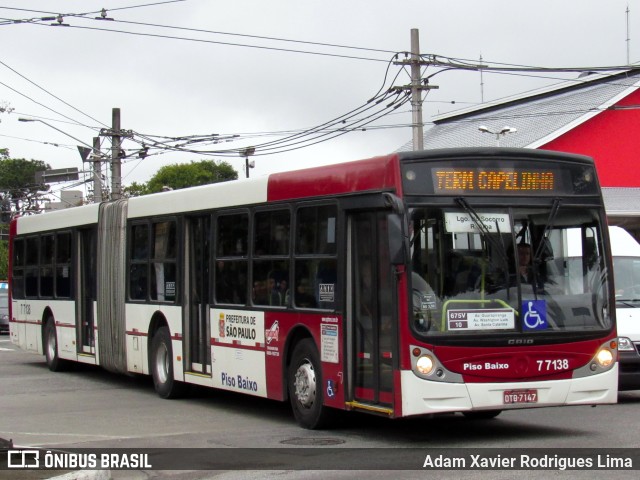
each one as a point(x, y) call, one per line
point(305, 384)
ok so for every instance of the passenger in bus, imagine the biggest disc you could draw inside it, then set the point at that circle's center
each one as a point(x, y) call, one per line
point(260, 293)
point(276, 288)
point(525, 269)
point(528, 272)
point(303, 297)
point(283, 290)
point(267, 292)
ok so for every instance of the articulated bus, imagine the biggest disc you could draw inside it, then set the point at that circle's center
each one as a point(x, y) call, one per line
point(409, 284)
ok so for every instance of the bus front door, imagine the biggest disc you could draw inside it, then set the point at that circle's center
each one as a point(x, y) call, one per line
point(197, 336)
point(373, 331)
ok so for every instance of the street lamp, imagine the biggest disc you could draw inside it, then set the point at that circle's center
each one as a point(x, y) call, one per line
point(21, 119)
point(502, 132)
point(246, 153)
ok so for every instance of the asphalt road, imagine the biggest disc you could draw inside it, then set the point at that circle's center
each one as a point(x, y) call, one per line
point(91, 408)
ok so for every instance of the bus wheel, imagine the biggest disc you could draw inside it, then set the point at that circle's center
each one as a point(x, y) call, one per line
point(305, 387)
point(161, 365)
point(54, 362)
point(482, 414)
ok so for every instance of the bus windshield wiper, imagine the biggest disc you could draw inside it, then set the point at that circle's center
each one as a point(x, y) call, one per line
point(629, 302)
point(498, 246)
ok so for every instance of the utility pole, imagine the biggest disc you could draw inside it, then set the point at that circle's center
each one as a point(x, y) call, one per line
point(416, 87)
point(116, 134)
point(97, 171)
point(416, 92)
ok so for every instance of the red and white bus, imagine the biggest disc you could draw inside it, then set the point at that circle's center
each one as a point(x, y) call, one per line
point(389, 285)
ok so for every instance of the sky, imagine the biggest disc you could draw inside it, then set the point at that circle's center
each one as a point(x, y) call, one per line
point(264, 73)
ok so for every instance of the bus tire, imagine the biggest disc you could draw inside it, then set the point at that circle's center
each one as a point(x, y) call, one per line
point(482, 414)
point(50, 343)
point(161, 366)
point(304, 381)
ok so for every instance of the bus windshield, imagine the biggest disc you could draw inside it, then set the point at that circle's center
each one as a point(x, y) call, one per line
point(485, 271)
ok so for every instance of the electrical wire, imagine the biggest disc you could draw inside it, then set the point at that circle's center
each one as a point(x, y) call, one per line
point(311, 138)
point(229, 44)
point(40, 104)
point(94, 12)
point(350, 121)
point(49, 93)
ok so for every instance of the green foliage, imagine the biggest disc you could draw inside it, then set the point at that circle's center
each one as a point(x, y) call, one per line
point(17, 175)
point(179, 176)
point(136, 189)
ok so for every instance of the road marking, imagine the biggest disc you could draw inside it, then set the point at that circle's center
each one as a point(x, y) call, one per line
point(6, 349)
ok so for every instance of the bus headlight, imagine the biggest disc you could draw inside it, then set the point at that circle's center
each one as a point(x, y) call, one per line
point(604, 357)
point(625, 345)
point(424, 364)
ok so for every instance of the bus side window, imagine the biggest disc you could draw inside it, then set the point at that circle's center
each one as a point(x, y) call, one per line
point(271, 257)
point(47, 246)
point(31, 267)
point(139, 254)
point(315, 250)
point(163, 265)
point(18, 269)
point(232, 237)
point(63, 265)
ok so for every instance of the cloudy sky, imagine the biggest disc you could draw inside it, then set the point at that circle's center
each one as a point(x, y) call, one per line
point(265, 73)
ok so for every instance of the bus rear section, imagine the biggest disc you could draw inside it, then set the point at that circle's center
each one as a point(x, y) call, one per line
point(502, 317)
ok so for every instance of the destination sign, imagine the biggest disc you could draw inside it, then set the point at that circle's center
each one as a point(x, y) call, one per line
point(480, 176)
point(465, 180)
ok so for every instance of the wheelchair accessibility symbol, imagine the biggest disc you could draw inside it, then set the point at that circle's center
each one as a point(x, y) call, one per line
point(331, 389)
point(534, 315)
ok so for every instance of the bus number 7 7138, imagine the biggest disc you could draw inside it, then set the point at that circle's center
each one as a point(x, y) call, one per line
point(407, 284)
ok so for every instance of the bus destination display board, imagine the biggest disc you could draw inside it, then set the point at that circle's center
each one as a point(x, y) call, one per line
point(496, 180)
point(492, 178)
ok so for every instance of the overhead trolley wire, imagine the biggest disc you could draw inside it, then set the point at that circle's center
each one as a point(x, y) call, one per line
point(344, 123)
point(48, 93)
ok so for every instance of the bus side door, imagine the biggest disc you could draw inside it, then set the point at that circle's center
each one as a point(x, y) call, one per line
point(373, 318)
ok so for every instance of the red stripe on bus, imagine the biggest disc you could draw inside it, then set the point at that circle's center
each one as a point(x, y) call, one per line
point(136, 333)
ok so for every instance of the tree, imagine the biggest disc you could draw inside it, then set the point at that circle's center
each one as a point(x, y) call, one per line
point(18, 188)
point(183, 175)
point(135, 190)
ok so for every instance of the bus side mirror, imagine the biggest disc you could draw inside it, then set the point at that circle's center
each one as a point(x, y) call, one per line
point(397, 240)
